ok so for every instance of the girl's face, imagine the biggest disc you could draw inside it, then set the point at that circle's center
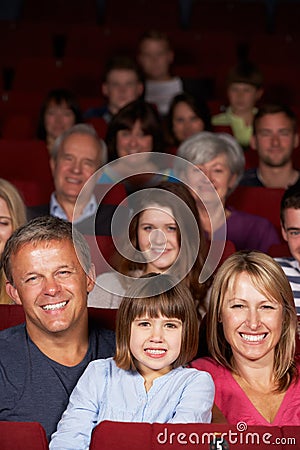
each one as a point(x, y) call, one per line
point(6, 227)
point(251, 322)
point(58, 118)
point(133, 141)
point(155, 344)
point(185, 122)
point(157, 238)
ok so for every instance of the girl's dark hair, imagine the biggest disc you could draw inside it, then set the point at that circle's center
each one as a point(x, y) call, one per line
point(125, 120)
point(58, 96)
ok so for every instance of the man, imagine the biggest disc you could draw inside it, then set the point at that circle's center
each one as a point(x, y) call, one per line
point(49, 272)
point(155, 55)
point(75, 157)
point(275, 136)
point(122, 84)
point(290, 227)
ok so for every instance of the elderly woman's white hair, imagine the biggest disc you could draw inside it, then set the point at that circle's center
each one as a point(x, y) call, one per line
point(204, 146)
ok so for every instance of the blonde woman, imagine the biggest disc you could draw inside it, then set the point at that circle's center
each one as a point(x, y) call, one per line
point(251, 330)
point(12, 215)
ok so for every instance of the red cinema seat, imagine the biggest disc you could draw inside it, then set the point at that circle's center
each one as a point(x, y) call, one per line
point(11, 315)
point(262, 201)
point(22, 436)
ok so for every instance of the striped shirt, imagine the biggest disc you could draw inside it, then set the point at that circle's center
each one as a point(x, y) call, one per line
point(291, 268)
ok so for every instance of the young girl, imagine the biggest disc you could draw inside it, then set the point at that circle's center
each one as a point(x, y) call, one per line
point(156, 335)
point(163, 221)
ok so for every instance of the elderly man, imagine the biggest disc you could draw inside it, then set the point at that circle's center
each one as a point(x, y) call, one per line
point(75, 157)
point(49, 271)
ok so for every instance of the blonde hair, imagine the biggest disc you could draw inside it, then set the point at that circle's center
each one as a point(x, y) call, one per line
point(174, 301)
point(17, 211)
point(269, 279)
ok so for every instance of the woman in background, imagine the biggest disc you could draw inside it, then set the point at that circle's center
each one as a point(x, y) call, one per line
point(12, 215)
point(59, 112)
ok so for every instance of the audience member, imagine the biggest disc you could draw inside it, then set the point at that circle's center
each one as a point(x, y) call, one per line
point(12, 215)
point(136, 132)
point(290, 227)
point(59, 112)
point(220, 158)
point(186, 117)
point(251, 329)
point(41, 360)
point(155, 56)
point(162, 221)
point(76, 155)
point(275, 136)
point(157, 316)
point(244, 90)
point(122, 84)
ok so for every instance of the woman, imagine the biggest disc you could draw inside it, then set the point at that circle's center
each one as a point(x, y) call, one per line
point(163, 219)
point(135, 134)
point(12, 215)
point(59, 112)
point(251, 330)
point(220, 158)
point(186, 117)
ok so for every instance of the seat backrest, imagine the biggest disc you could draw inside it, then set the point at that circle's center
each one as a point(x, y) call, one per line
point(22, 436)
point(135, 436)
point(11, 315)
point(262, 201)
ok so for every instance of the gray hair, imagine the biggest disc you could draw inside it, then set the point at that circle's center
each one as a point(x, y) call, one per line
point(204, 146)
point(81, 128)
point(45, 229)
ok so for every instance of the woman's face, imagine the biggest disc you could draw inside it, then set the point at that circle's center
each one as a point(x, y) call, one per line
point(217, 171)
point(58, 118)
point(157, 238)
point(6, 226)
point(133, 141)
point(251, 322)
point(185, 122)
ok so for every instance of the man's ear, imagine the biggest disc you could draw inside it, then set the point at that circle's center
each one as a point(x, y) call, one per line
point(52, 166)
point(104, 89)
point(253, 142)
point(91, 278)
point(283, 232)
point(13, 293)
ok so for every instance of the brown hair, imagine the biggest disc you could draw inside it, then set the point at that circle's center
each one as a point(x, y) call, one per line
point(141, 299)
point(179, 202)
point(245, 72)
point(273, 108)
point(269, 279)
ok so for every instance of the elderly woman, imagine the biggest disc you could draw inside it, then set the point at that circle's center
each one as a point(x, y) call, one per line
point(251, 329)
point(221, 159)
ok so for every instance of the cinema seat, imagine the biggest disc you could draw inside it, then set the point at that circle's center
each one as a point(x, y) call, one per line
point(22, 436)
point(136, 436)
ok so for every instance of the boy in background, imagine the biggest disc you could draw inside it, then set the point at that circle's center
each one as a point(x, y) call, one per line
point(244, 90)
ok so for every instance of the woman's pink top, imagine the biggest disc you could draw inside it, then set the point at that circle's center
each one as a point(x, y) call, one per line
point(236, 406)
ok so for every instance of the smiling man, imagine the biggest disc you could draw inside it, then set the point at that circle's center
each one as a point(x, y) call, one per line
point(275, 136)
point(76, 155)
point(42, 359)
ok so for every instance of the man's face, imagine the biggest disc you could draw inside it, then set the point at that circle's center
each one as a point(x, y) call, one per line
point(77, 160)
point(291, 231)
point(155, 57)
point(121, 87)
point(275, 139)
point(52, 286)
